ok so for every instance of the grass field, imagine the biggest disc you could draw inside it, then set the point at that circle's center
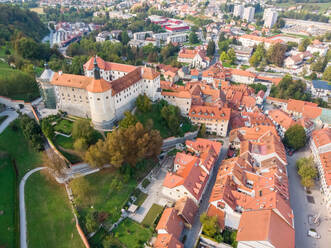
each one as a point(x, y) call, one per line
point(8, 203)
point(64, 126)
point(50, 221)
point(141, 197)
point(106, 198)
point(5, 69)
point(38, 10)
point(152, 215)
point(14, 143)
point(132, 234)
point(67, 143)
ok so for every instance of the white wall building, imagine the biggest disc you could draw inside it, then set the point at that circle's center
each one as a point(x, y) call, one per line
point(270, 17)
point(249, 14)
point(238, 11)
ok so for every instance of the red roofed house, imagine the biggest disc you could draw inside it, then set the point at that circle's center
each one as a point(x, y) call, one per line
point(320, 145)
point(300, 108)
point(169, 230)
point(214, 118)
point(197, 57)
point(241, 76)
point(264, 229)
point(187, 179)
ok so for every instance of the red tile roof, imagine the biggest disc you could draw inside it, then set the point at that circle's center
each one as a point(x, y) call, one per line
point(214, 211)
point(187, 209)
point(171, 222)
point(209, 112)
point(266, 225)
point(108, 66)
point(167, 241)
point(321, 137)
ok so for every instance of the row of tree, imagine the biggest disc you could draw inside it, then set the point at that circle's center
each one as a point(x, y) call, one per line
point(275, 55)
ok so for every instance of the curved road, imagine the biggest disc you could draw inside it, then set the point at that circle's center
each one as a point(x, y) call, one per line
point(24, 243)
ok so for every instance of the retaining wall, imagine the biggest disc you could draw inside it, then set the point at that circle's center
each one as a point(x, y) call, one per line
point(172, 141)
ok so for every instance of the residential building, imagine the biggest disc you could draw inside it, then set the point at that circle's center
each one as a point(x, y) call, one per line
point(270, 17)
point(215, 119)
point(249, 40)
point(320, 145)
point(249, 14)
point(177, 38)
point(241, 76)
point(318, 47)
point(321, 89)
point(104, 93)
point(238, 11)
point(243, 54)
point(264, 229)
point(196, 58)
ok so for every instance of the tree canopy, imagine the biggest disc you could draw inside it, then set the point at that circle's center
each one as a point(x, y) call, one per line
point(307, 171)
point(295, 137)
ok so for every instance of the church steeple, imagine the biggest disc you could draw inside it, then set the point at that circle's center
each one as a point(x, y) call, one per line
point(96, 69)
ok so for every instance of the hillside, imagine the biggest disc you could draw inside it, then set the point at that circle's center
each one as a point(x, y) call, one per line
point(14, 19)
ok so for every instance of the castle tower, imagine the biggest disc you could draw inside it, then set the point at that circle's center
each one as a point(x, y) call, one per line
point(47, 90)
point(101, 101)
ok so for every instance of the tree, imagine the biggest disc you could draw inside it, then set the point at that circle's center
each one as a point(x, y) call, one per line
point(91, 222)
point(319, 64)
point(128, 120)
point(211, 48)
point(307, 171)
point(125, 38)
point(327, 74)
point(82, 129)
point(129, 145)
point(276, 54)
point(47, 129)
point(143, 103)
point(193, 38)
point(258, 55)
point(224, 57)
point(171, 114)
point(202, 131)
point(210, 225)
point(295, 137)
point(55, 163)
point(32, 132)
point(232, 56)
point(304, 44)
point(82, 190)
point(80, 144)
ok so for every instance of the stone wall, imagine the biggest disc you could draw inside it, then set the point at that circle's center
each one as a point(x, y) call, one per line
point(172, 141)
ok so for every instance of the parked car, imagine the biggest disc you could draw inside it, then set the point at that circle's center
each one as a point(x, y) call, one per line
point(312, 233)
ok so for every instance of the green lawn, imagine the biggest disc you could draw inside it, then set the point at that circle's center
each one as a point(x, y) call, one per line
point(64, 126)
point(132, 234)
point(153, 213)
point(5, 69)
point(50, 221)
point(106, 198)
point(225, 64)
point(8, 201)
point(67, 143)
point(18, 149)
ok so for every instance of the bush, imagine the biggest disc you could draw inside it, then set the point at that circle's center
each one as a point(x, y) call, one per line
point(145, 183)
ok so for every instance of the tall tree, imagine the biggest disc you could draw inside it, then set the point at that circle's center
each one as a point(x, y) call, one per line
point(143, 103)
point(276, 54)
point(304, 44)
point(128, 120)
point(211, 48)
point(193, 38)
point(295, 137)
point(327, 74)
point(82, 129)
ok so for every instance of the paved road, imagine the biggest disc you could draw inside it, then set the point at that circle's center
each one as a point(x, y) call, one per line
point(302, 208)
point(192, 234)
point(12, 115)
point(23, 240)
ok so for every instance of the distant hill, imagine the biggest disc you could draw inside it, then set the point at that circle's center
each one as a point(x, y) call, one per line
point(14, 19)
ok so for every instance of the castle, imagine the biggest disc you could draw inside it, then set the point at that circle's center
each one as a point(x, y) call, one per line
point(103, 94)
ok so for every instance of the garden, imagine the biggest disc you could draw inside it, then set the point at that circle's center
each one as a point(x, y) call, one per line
point(153, 214)
point(165, 118)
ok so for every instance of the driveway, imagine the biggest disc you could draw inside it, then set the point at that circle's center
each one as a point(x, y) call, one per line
point(192, 234)
point(302, 208)
point(12, 115)
point(23, 239)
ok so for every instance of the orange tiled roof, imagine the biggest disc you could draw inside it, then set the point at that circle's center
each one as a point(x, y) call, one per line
point(281, 118)
point(242, 73)
point(187, 209)
point(98, 86)
point(167, 241)
point(214, 211)
point(298, 105)
point(326, 164)
point(149, 73)
point(126, 81)
point(171, 222)
point(70, 80)
point(187, 53)
point(251, 133)
point(107, 66)
point(265, 225)
point(321, 137)
point(209, 112)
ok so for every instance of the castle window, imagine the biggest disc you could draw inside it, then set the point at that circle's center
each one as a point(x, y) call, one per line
point(98, 99)
point(73, 89)
point(107, 97)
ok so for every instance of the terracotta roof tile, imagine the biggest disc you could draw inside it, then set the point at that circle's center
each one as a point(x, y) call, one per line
point(167, 241)
point(171, 222)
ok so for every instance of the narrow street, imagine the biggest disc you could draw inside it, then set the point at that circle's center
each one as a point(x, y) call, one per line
point(302, 208)
point(192, 234)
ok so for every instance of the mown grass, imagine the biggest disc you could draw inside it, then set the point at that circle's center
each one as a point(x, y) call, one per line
point(50, 221)
point(8, 203)
point(152, 215)
point(64, 126)
point(131, 234)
